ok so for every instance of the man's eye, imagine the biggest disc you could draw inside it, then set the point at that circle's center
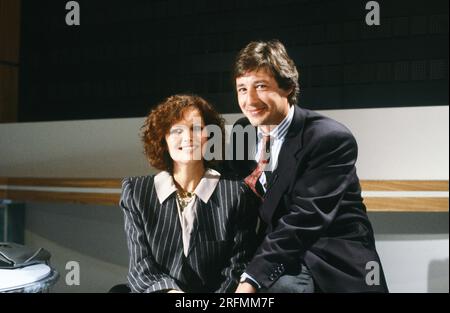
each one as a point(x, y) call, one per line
point(242, 90)
point(261, 86)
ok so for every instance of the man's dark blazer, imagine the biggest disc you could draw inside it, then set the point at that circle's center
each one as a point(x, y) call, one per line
point(222, 240)
point(314, 212)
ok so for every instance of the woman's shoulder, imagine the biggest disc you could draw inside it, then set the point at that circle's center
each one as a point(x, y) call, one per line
point(137, 187)
point(136, 181)
point(235, 191)
point(233, 184)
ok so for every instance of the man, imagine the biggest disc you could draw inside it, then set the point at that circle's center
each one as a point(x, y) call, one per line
point(317, 234)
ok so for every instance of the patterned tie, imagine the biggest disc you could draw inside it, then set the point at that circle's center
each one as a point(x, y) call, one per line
point(264, 159)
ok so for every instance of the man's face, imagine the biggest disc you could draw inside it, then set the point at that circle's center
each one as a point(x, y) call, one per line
point(261, 100)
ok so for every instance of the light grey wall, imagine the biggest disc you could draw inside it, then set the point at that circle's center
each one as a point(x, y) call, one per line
point(88, 148)
point(394, 143)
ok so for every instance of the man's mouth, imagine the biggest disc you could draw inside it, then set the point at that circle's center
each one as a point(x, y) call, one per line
point(256, 112)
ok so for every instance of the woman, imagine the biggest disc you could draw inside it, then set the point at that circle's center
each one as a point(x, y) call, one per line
point(188, 229)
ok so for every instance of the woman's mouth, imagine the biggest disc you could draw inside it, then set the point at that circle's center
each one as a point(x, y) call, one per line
point(188, 148)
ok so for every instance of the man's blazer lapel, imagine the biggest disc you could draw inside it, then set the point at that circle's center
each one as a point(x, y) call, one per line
point(287, 163)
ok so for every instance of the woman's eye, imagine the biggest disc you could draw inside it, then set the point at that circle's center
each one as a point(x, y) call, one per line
point(176, 131)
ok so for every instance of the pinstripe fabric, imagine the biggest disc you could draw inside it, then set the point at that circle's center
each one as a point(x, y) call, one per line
point(222, 241)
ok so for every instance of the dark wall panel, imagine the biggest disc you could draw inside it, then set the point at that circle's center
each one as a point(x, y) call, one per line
point(9, 59)
point(128, 55)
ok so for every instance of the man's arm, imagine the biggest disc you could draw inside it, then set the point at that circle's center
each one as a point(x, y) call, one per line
point(315, 201)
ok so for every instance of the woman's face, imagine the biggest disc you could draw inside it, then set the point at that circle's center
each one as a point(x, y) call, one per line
point(186, 138)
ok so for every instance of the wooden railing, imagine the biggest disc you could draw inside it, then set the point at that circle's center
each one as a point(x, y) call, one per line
point(379, 195)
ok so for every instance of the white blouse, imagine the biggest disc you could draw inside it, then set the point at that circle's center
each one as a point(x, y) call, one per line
point(165, 187)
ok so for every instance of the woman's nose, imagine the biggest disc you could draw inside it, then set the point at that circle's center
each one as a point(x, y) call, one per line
point(186, 136)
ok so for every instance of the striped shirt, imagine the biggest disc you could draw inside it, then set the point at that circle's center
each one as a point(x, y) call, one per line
point(277, 138)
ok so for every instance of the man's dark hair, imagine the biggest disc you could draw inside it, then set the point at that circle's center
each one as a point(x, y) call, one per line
point(270, 55)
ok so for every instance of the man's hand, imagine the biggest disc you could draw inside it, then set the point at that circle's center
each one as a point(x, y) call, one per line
point(245, 288)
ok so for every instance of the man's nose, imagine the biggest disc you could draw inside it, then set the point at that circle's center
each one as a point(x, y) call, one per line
point(252, 97)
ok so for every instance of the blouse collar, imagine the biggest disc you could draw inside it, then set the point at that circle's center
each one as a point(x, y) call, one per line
point(165, 185)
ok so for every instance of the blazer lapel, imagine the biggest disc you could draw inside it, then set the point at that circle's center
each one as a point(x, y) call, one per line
point(174, 228)
point(193, 240)
point(287, 161)
point(204, 215)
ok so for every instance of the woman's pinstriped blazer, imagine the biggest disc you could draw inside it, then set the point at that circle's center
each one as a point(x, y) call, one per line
point(222, 241)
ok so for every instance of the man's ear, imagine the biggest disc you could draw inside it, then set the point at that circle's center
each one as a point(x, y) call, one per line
point(287, 92)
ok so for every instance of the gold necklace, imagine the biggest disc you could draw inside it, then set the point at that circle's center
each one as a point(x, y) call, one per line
point(184, 197)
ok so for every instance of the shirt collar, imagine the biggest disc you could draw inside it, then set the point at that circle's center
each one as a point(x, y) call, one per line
point(165, 186)
point(280, 131)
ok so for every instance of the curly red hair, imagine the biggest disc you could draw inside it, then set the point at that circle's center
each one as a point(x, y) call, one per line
point(163, 116)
